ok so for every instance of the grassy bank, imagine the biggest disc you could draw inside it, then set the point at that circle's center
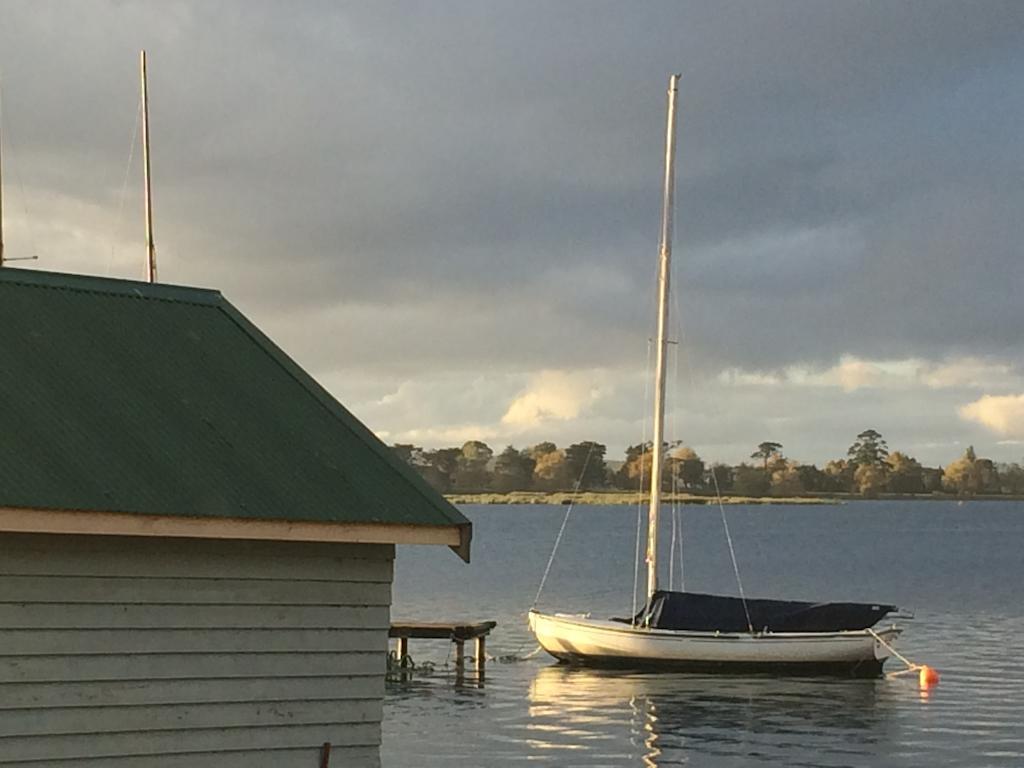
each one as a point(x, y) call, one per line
point(619, 497)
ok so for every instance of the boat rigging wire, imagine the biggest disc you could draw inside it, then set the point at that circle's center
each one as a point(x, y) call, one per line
point(676, 546)
point(682, 572)
point(677, 512)
point(565, 521)
point(640, 492)
point(732, 552)
point(672, 541)
point(718, 491)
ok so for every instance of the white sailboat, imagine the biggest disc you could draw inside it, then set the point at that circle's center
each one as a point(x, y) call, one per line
point(710, 632)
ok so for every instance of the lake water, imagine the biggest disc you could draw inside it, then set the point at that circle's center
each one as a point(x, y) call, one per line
point(958, 568)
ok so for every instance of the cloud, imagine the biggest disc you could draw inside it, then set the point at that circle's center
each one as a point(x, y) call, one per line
point(969, 372)
point(446, 436)
point(852, 373)
point(847, 236)
point(1003, 414)
point(553, 396)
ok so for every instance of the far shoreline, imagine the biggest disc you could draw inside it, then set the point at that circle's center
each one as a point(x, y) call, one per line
point(620, 498)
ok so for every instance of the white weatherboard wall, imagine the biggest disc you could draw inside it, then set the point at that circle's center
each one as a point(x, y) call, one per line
point(137, 653)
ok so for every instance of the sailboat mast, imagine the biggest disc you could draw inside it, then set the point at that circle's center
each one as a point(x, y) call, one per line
point(664, 268)
point(150, 247)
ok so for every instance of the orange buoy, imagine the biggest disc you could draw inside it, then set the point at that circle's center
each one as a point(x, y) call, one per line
point(927, 677)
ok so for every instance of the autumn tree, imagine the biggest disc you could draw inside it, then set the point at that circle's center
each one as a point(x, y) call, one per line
point(719, 476)
point(905, 475)
point(766, 452)
point(839, 475)
point(963, 476)
point(685, 467)
point(869, 479)
point(868, 449)
point(749, 481)
point(812, 479)
point(407, 452)
point(513, 471)
point(438, 468)
point(584, 464)
point(989, 476)
point(549, 470)
point(540, 448)
point(1012, 479)
point(785, 479)
point(867, 456)
point(471, 473)
point(931, 479)
point(636, 467)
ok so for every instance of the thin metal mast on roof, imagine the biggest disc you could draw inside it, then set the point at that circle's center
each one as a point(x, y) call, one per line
point(150, 247)
point(3, 257)
point(1, 175)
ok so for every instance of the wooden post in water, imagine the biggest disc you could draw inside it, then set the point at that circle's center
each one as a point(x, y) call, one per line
point(481, 653)
point(460, 653)
point(150, 247)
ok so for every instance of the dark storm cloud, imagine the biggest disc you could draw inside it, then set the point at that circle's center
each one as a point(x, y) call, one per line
point(436, 156)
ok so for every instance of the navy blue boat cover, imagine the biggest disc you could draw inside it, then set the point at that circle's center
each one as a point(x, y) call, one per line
point(710, 613)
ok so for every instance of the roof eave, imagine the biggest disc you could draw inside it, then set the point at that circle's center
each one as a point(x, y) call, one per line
point(94, 523)
point(465, 536)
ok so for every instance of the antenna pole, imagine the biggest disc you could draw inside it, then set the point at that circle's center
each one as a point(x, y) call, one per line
point(1, 174)
point(664, 265)
point(150, 247)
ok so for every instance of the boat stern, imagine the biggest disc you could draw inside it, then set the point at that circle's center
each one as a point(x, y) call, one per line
point(885, 641)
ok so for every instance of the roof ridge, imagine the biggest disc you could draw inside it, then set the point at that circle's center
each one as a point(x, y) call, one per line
point(110, 286)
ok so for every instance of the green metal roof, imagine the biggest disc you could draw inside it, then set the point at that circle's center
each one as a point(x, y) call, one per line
point(120, 396)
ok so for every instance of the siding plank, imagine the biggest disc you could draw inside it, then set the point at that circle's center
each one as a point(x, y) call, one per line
point(31, 546)
point(144, 565)
point(69, 616)
point(62, 693)
point(143, 653)
point(192, 717)
point(300, 757)
point(189, 591)
point(190, 666)
point(50, 642)
point(170, 742)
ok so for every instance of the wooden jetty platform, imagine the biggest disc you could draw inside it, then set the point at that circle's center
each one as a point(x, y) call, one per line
point(457, 632)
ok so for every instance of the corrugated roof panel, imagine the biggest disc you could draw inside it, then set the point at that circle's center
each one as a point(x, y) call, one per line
point(128, 397)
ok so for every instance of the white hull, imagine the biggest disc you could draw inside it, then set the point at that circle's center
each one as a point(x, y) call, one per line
point(595, 642)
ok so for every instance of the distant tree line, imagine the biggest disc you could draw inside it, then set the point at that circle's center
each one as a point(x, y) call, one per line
point(869, 470)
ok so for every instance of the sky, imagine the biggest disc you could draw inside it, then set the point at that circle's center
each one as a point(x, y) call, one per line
point(449, 212)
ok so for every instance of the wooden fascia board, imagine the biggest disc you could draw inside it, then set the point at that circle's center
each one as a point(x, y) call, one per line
point(56, 521)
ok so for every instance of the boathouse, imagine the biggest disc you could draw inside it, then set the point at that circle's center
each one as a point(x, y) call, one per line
point(196, 539)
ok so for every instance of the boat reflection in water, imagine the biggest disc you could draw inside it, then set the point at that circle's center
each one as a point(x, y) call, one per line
point(716, 720)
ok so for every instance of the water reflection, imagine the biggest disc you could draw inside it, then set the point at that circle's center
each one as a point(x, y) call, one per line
point(958, 569)
point(674, 718)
